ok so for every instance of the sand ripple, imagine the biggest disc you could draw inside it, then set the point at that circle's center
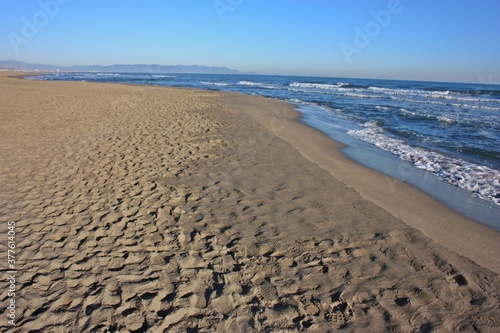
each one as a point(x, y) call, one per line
point(143, 209)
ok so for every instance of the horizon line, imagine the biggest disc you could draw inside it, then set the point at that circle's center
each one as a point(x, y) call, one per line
point(221, 67)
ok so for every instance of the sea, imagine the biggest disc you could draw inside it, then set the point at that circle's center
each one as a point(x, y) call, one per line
point(443, 138)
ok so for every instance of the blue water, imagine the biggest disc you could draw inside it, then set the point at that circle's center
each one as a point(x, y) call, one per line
point(448, 130)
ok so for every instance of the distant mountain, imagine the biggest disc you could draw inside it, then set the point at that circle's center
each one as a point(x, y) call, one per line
point(12, 64)
point(139, 68)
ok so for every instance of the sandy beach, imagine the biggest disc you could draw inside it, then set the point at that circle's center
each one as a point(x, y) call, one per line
point(153, 209)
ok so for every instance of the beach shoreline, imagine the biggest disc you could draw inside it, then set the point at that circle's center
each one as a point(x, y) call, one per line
point(415, 208)
point(334, 108)
point(173, 208)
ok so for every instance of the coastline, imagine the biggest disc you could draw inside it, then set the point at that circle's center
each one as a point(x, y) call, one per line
point(149, 207)
point(417, 209)
point(475, 202)
point(457, 199)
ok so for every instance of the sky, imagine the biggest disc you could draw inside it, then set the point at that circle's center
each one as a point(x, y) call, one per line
point(445, 40)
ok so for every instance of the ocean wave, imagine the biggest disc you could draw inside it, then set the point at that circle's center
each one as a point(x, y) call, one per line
point(258, 84)
point(315, 105)
point(408, 95)
point(485, 92)
point(455, 105)
point(359, 95)
point(351, 92)
point(446, 120)
point(107, 74)
point(410, 91)
point(383, 107)
point(423, 116)
point(320, 85)
point(447, 95)
point(214, 83)
point(406, 113)
point(326, 113)
point(480, 180)
point(162, 76)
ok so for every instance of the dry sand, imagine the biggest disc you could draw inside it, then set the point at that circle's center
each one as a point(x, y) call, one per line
point(148, 209)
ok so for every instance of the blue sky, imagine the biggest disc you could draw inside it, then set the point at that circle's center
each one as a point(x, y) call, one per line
point(446, 40)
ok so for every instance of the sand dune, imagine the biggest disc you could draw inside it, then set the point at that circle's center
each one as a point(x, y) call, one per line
point(148, 209)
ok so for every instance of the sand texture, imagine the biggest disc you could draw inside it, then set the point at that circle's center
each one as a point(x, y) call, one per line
point(148, 209)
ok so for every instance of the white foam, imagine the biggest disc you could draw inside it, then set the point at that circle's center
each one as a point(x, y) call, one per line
point(447, 120)
point(318, 85)
point(214, 83)
point(480, 180)
point(258, 84)
point(447, 95)
point(456, 105)
point(347, 92)
point(358, 95)
point(421, 97)
point(162, 76)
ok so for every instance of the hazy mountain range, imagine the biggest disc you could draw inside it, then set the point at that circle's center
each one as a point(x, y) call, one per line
point(138, 68)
